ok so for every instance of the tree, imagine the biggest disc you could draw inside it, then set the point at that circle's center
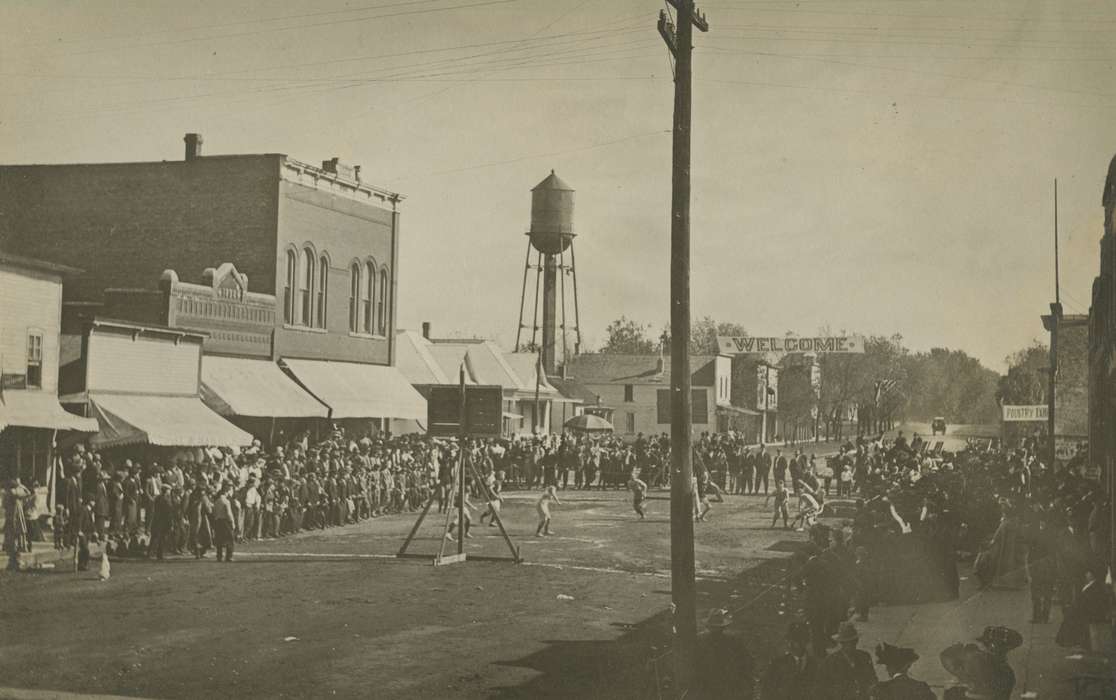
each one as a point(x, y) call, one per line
point(627, 337)
point(1026, 380)
point(703, 335)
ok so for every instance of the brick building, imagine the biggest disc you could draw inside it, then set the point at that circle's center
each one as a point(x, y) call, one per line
point(1069, 343)
point(322, 241)
point(318, 243)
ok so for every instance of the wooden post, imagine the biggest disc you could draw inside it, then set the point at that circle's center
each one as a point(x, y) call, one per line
point(679, 40)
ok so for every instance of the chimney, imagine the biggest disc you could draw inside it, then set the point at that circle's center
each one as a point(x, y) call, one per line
point(193, 146)
point(426, 329)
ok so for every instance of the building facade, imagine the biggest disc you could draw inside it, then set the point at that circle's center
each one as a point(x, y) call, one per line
point(637, 389)
point(30, 345)
point(1102, 344)
point(1069, 354)
point(320, 240)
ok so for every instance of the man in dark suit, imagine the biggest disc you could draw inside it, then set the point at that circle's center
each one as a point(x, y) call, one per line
point(724, 664)
point(847, 673)
point(1091, 606)
point(763, 469)
point(898, 685)
point(794, 674)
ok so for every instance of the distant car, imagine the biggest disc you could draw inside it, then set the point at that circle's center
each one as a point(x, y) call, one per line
point(938, 426)
point(837, 513)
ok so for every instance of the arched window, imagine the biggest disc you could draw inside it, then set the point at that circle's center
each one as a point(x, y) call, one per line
point(306, 288)
point(289, 290)
point(354, 298)
point(323, 290)
point(381, 303)
point(369, 293)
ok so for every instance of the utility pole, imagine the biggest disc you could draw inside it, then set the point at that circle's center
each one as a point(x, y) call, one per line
point(1055, 321)
point(679, 40)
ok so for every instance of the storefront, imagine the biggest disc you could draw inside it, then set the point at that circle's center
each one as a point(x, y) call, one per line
point(143, 385)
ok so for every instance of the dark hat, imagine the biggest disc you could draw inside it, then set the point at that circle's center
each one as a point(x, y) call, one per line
point(895, 657)
point(1000, 638)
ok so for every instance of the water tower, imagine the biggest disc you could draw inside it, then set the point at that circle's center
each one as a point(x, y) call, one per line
point(550, 239)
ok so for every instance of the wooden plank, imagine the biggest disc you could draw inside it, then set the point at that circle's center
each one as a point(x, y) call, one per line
point(449, 559)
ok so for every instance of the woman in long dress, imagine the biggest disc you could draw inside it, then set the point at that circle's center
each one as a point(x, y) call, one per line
point(15, 525)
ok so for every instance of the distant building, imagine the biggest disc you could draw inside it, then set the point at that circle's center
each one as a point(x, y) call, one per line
point(637, 388)
point(31, 417)
point(531, 402)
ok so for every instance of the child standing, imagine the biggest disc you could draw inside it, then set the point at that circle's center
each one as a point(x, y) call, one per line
point(543, 508)
point(781, 497)
point(639, 493)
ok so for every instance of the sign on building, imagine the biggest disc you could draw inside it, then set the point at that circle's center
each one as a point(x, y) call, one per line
point(484, 407)
point(1025, 414)
point(767, 388)
point(738, 345)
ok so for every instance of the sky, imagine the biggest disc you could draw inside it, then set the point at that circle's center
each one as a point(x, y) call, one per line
point(877, 166)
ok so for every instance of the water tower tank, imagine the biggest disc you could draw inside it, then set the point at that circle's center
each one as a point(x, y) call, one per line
point(552, 211)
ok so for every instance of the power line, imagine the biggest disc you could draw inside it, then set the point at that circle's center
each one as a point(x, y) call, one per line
point(952, 76)
point(298, 27)
point(551, 154)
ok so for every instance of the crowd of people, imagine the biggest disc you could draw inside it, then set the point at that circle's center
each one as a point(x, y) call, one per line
point(917, 513)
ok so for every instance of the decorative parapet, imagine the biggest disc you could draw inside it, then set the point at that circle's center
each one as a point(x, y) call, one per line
point(345, 183)
point(237, 321)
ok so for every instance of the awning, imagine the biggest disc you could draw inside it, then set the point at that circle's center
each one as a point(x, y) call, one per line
point(738, 410)
point(234, 386)
point(37, 409)
point(353, 390)
point(165, 421)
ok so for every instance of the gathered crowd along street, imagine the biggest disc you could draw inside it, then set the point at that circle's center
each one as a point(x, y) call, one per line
point(809, 395)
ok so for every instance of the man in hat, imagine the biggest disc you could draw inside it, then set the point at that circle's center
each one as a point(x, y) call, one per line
point(847, 673)
point(724, 665)
point(898, 685)
point(794, 674)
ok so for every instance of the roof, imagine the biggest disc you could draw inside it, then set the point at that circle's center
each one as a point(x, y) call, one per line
point(608, 368)
point(37, 264)
point(415, 360)
point(552, 182)
point(573, 389)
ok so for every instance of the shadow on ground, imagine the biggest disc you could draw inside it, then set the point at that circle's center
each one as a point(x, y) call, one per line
point(638, 663)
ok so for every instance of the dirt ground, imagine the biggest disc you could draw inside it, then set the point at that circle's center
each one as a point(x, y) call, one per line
point(334, 614)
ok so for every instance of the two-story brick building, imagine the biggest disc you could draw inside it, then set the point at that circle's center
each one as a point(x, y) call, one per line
point(1069, 347)
point(320, 242)
point(30, 414)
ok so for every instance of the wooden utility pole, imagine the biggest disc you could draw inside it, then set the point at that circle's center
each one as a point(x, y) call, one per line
point(679, 39)
point(1055, 321)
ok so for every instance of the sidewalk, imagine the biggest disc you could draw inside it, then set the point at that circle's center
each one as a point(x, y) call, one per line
point(1043, 669)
